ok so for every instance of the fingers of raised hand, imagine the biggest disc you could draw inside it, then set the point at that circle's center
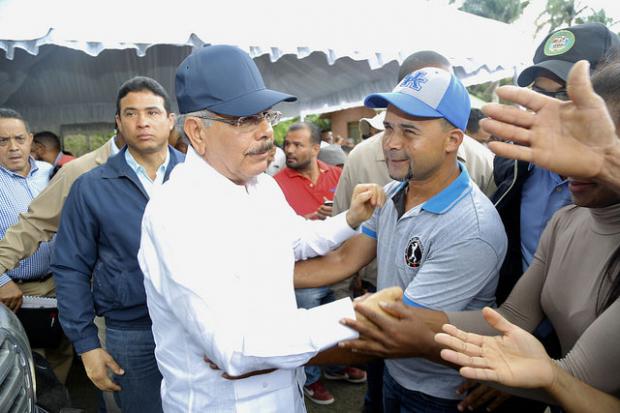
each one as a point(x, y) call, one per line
point(506, 130)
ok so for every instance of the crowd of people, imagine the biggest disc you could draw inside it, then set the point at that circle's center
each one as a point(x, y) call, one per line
point(199, 268)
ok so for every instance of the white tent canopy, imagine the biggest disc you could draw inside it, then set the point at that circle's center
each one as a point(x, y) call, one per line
point(63, 61)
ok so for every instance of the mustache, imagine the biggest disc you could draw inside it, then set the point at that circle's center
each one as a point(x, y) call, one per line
point(261, 148)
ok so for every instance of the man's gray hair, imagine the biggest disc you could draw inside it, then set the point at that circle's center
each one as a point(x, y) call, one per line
point(198, 114)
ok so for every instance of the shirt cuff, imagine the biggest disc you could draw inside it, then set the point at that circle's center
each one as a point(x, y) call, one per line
point(325, 328)
point(4, 278)
point(342, 230)
point(86, 344)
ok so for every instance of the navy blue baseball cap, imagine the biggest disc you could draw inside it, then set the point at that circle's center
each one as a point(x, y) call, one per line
point(563, 48)
point(224, 80)
point(429, 92)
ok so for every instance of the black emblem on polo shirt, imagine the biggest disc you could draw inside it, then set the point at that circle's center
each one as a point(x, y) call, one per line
point(413, 252)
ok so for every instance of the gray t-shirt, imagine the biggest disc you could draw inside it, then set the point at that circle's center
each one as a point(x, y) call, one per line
point(446, 255)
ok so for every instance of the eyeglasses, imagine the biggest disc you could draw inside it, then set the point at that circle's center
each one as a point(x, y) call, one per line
point(561, 94)
point(20, 140)
point(248, 122)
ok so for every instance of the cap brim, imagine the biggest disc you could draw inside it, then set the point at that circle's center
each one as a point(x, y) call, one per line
point(560, 68)
point(405, 103)
point(251, 103)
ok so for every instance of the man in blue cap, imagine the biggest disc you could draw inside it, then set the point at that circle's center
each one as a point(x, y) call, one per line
point(438, 236)
point(219, 278)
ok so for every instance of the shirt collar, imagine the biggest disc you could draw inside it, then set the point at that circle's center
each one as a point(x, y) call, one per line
point(58, 158)
point(33, 169)
point(323, 168)
point(113, 148)
point(451, 195)
point(446, 199)
point(139, 169)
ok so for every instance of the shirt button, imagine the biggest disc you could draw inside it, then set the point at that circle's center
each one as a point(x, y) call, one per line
point(265, 385)
point(558, 189)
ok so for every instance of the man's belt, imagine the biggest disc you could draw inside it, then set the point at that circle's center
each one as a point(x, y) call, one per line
point(34, 280)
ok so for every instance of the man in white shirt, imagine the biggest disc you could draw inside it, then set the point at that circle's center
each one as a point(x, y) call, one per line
point(219, 277)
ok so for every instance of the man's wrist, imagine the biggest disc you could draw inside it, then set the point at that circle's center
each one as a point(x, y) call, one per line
point(352, 224)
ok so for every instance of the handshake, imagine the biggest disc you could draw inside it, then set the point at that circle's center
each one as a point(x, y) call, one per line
point(372, 303)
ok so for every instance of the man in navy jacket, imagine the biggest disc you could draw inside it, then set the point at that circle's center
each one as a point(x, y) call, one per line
point(95, 264)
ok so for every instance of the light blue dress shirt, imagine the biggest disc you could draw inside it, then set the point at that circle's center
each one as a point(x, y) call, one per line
point(543, 194)
point(145, 180)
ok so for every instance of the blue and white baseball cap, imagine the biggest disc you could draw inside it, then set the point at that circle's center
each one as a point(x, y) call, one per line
point(429, 92)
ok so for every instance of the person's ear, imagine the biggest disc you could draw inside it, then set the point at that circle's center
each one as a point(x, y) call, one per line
point(454, 140)
point(194, 130)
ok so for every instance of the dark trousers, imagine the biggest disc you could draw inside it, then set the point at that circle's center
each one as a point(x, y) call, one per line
point(397, 399)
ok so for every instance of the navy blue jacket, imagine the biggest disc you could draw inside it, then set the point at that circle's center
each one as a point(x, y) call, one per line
point(97, 242)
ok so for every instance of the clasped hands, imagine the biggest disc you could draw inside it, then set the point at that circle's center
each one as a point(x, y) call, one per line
point(387, 327)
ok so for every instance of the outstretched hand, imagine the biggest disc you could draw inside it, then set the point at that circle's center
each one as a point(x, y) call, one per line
point(554, 134)
point(515, 358)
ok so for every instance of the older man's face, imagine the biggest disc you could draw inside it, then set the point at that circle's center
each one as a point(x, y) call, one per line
point(239, 153)
point(15, 145)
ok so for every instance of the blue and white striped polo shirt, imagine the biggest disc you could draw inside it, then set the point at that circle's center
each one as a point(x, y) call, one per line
point(445, 254)
point(16, 193)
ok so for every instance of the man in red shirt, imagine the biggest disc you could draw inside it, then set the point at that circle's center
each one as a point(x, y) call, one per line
point(309, 186)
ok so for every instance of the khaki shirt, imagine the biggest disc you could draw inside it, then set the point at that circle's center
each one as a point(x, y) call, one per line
point(40, 222)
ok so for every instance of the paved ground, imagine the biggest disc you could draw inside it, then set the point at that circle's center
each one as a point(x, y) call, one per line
point(349, 397)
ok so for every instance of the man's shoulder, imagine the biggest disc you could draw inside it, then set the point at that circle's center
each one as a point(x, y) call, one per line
point(366, 148)
point(83, 164)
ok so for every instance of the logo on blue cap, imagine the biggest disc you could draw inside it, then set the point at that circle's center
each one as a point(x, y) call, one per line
point(414, 80)
point(429, 93)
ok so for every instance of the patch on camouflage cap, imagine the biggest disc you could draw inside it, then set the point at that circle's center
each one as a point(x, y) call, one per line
point(559, 42)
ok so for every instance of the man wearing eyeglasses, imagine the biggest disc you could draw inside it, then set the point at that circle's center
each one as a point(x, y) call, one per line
point(219, 278)
point(528, 195)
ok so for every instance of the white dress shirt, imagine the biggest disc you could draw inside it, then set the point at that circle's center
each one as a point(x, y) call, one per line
point(218, 272)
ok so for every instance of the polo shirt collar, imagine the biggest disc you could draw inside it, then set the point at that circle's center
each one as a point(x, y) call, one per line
point(450, 196)
point(447, 198)
point(323, 168)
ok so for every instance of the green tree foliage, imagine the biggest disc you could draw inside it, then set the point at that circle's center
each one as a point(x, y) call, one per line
point(506, 11)
point(279, 131)
point(563, 13)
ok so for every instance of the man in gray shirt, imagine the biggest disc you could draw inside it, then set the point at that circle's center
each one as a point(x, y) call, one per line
point(438, 237)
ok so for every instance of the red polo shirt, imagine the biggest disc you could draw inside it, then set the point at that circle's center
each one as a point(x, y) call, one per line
point(304, 196)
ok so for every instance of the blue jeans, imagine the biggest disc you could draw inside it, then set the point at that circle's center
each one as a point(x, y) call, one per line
point(397, 399)
point(310, 298)
point(134, 351)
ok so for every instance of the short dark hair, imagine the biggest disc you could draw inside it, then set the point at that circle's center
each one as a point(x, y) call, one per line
point(606, 83)
point(140, 84)
point(7, 113)
point(423, 58)
point(47, 139)
point(473, 123)
point(315, 134)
